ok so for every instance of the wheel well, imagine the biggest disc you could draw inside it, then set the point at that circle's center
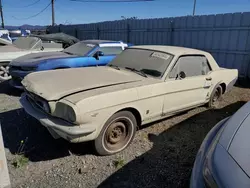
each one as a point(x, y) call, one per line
point(223, 85)
point(136, 113)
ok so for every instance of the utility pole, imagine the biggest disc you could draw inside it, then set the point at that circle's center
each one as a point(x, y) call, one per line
point(194, 7)
point(1, 13)
point(53, 12)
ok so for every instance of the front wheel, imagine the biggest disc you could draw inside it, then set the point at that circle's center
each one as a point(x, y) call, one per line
point(116, 134)
point(4, 73)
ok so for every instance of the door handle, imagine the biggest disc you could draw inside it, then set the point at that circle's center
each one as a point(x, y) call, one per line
point(209, 78)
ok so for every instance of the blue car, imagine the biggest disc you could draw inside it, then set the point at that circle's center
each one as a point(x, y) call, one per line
point(223, 159)
point(82, 54)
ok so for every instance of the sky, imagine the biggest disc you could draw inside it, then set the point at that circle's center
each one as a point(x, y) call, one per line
point(70, 12)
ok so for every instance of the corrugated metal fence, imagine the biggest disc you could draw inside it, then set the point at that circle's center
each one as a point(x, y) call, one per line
point(226, 36)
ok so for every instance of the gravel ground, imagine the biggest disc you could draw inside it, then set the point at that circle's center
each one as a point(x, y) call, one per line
point(161, 155)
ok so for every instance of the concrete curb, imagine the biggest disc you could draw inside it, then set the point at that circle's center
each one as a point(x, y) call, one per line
point(4, 173)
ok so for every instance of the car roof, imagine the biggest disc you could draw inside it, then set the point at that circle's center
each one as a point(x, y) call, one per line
point(175, 50)
point(100, 41)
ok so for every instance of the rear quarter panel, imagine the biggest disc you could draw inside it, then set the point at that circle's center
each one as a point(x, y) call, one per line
point(227, 76)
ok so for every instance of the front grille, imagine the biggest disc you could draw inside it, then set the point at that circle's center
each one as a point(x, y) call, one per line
point(37, 101)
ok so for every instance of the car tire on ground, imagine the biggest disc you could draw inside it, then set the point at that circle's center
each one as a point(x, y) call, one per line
point(4, 73)
point(215, 97)
point(117, 133)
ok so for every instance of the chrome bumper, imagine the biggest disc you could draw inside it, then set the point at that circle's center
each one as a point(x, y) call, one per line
point(56, 126)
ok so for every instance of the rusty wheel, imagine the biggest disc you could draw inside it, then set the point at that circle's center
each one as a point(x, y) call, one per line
point(117, 133)
point(215, 97)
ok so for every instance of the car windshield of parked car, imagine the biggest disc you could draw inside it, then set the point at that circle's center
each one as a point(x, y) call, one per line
point(150, 62)
point(79, 48)
point(28, 43)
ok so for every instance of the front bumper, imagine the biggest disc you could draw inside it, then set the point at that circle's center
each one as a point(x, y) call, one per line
point(58, 127)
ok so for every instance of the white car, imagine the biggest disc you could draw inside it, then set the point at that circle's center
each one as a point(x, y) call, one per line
point(141, 85)
point(20, 47)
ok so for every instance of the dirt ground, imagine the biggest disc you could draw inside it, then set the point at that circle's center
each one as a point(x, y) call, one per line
point(161, 155)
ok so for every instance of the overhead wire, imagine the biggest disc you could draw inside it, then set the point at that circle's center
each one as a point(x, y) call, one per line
point(84, 1)
point(40, 12)
point(32, 4)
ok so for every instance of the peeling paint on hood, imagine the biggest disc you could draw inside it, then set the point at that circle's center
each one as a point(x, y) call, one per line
point(56, 84)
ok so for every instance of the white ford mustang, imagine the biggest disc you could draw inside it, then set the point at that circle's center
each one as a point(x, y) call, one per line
point(141, 85)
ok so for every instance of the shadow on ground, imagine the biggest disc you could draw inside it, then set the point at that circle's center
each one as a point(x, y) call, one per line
point(169, 162)
point(5, 88)
point(39, 145)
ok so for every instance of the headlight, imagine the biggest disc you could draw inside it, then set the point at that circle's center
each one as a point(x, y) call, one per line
point(22, 68)
point(65, 111)
point(27, 68)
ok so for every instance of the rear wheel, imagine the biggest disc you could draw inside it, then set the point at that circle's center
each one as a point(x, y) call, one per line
point(116, 134)
point(215, 97)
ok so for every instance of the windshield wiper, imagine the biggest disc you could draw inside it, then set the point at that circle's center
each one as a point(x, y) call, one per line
point(152, 72)
point(137, 71)
point(114, 66)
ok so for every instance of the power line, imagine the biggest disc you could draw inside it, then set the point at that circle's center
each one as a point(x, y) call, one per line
point(32, 3)
point(34, 14)
point(112, 1)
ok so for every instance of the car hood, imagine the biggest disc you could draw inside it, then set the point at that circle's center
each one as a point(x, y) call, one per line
point(238, 147)
point(235, 137)
point(57, 84)
point(36, 58)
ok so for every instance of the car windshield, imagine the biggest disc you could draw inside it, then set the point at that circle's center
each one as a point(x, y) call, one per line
point(79, 48)
point(28, 43)
point(5, 36)
point(150, 62)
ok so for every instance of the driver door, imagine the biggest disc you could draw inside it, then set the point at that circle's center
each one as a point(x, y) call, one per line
point(188, 84)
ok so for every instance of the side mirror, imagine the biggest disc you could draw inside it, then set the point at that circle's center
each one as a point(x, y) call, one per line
point(98, 54)
point(182, 75)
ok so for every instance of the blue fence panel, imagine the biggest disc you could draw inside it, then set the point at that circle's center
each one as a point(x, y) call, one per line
point(226, 36)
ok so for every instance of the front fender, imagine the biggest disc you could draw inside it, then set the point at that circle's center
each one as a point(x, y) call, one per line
point(100, 117)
